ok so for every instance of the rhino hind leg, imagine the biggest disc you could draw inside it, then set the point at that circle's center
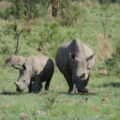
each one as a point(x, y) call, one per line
point(50, 74)
point(48, 80)
point(47, 84)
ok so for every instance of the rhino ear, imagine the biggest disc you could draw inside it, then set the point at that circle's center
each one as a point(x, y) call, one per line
point(89, 60)
point(20, 67)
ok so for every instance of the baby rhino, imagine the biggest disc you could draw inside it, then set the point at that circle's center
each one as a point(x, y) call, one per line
point(33, 72)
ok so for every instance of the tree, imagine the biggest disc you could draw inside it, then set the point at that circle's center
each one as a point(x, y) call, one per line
point(55, 6)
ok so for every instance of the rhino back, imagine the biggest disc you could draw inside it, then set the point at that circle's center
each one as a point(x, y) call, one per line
point(47, 71)
point(63, 55)
point(35, 64)
point(80, 49)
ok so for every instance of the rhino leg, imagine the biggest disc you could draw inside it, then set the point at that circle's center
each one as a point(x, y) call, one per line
point(30, 87)
point(35, 85)
point(48, 80)
point(74, 90)
point(47, 84)
point(68, 78)
point(49, 72)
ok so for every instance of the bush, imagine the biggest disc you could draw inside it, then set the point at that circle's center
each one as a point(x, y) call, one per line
point(2, 14)
point(48, 38)
point(108, 1)
point(17, 10)
point(6, 49)
point(113, 63)
point(26, 8)
point(70, 12)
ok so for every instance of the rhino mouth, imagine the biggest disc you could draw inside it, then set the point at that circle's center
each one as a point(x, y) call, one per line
point(19, 90)
point(83, 90)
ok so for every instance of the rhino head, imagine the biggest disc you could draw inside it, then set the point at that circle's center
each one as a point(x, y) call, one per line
point(24, 78)
point(81, 71)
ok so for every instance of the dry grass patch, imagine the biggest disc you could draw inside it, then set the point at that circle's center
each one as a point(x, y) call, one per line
point(5, 5)
point(104, 47)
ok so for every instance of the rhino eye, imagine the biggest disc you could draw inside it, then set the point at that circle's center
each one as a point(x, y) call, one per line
point(24, 81)
point(83, 75)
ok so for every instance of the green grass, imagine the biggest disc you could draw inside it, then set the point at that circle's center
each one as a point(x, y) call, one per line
point(57, 104)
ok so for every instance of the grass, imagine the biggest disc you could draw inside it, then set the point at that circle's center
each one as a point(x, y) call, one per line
point(57, 104)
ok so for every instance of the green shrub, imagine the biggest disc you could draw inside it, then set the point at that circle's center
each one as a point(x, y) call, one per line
point(69, 13)
point(17, 10)
point(27, 8)
point(6, 49)
point(113, 63)
point(2, 14)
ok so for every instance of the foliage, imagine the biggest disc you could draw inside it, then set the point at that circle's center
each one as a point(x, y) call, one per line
point(17, 10)
point(49, 33)
point(107, 1)
point(50, 101)
point(69, 13)
point(13, 31)
point(49, 37)
point(113, 63)
point(24, 9)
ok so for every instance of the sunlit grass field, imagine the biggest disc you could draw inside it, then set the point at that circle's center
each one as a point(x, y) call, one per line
point(57, 104)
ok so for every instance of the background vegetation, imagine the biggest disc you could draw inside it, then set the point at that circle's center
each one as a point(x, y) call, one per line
point(31, 25)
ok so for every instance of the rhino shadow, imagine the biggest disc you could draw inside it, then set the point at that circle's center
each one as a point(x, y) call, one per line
point(111, 84)
point(12, 93)
point(66, 93)
point(22, 93)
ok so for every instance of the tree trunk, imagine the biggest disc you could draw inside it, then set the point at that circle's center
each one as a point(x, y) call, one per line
point(101, 1)
point(114, 1)
point(55, 6)
point(17, 44)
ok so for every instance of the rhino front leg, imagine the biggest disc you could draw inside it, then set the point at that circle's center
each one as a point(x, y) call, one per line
point(74, 90)
point(30, 87)
point(36, 85)
point(68, 78)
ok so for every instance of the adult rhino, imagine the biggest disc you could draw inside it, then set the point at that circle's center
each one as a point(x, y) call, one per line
point(74, 59)
point(33, 72)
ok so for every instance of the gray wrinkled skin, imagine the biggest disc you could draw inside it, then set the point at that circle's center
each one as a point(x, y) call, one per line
point(33, 72)
point(74, 59)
